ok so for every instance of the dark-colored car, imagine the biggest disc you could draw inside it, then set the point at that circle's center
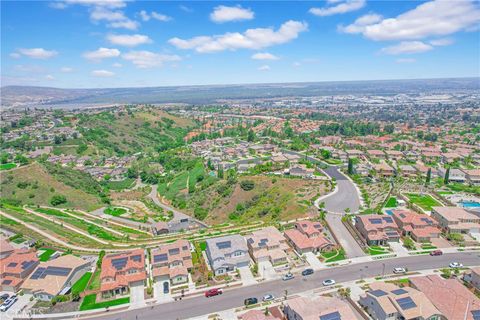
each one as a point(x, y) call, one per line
point(166, 287)
point(307, 272)
point(213, 292)
point(250, 301)
point(436, 253)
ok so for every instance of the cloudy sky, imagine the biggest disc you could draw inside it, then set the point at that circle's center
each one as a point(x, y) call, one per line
point(87, 43)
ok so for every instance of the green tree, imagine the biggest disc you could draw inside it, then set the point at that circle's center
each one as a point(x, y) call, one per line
point(447, 176)
point(220, 173)
point(429, 176)
point(58, 199)
point(350, 166)
point(247, 185)
point(251, 136)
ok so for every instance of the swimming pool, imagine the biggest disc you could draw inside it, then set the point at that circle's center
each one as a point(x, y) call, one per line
point(389, 212)
point(469, 204)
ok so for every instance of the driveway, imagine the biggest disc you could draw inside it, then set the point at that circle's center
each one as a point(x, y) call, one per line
point(247, 276)
point(266, 270)
point(158, 293)
point(137, 295)
point(399, 249)
point(19, 307)
point(313, 261)
point(348, 243)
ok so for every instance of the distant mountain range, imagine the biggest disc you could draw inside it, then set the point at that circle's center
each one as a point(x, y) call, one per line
point(22, 96)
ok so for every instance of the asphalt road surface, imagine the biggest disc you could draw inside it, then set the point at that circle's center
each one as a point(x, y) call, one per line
point(345, 197)
point(233, 298)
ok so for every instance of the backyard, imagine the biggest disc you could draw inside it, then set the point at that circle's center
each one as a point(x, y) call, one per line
point(424, 201)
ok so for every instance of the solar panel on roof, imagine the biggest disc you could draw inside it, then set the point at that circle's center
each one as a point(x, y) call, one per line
point(388, 219)
point(402, 215)
point(6, 282)
point(12, 265)
point(224, 244)
point(476, 314)
point(136, 258)
point(427, 220)
point(119, 263)
point(391, 233)
point(27, 264)
point(406, 303)
point(399, 291)
point(318, 226)
point(250, 240)
point(160, 257)
point(37, 273)
point(375, 221)
point(174, 251)
point(57, 271)
point(331, 316)
point(378, 293)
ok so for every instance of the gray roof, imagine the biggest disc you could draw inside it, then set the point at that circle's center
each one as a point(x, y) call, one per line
point(222, 248)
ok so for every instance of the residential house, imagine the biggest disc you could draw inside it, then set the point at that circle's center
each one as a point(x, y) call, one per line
point(159, 228)
point(307, 236)
point(354, 153)
point(301, 171)
point(322, 308)
point(227, 253)
point(455, 175)
point(474, 277)
point(383, 169)
point(394, 154)
point(449, 296)
point(377, 229)
point(6, 248)
point(450, 157)
point(15, 267)
point(377, 154)
point(408, 170)
point(267, 244)
point(260, 315)
point(172, 262)
point(420, 227)
point(456, 220)
point(473, 176)
point(120, 271)
point(386, 301)
point(55, 277)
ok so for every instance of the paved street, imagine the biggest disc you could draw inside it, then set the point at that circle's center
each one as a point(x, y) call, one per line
point(345, 197)
point(313, 261)
point(234, 298)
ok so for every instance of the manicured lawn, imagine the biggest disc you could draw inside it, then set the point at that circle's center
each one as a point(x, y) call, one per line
point(120, 185)
point(426, 202)
point(376, 250)
point(334, 255)
point(7, 166)
point(95, 282)
point(18, 238)
point(90, 304)
point(115, 211)
point(45, 256)
point(428, 246)
point(391, 203)
point(203, 245)
point(81, 283)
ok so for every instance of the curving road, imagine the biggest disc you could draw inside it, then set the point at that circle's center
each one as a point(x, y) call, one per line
point(197, 306)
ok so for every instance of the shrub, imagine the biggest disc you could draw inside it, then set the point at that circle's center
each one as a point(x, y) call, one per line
point(247, 185)
point(57, 200)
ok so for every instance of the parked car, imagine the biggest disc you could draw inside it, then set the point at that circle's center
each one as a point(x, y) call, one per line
point(455, 265)
point(307, 272)
point(436, 253)
point(4, 296)
point(213, 292)
point(166, 287)
point(268, 297)
point(8, 303)
point(328, 282)
point(288, 276)
point(250, 301)
point(399, 270)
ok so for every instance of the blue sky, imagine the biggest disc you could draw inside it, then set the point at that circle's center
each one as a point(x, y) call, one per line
point(86, 43)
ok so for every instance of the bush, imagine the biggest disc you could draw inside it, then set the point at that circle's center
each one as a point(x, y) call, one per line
point(247, 185)
point(57, 200)
point(200, 213)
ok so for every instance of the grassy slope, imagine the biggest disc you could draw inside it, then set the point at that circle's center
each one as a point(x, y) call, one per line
point(42, 194)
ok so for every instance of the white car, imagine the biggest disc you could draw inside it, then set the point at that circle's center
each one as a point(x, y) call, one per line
point(399, 270)
point(268, 297)
point(455, 265)
point(288, 276)
point(328, 282)
point(8, 303)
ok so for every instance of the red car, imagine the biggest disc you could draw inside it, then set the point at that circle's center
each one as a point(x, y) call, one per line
point(213, 292)
point(436, 253)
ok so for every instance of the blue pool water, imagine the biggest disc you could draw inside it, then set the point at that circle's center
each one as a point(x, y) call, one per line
point(470, 204)
point(389, 212)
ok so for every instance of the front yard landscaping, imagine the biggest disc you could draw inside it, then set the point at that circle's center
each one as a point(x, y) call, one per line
point(89, 302)
point(332, 256)
point(376, 250)
point(81, 283)
point(391, 203)
point(47, 253)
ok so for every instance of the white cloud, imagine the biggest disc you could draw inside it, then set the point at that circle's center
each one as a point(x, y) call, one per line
point(128, 40)
point(361, 23)
point(49, 77)
point(116, 19)
point(15, 55)
point(264, 68)
point(223, 14)
point(101, 53)
point(145, 16)
point(117, 65)
point(114, 4)
point(147, 59)
point(125, 24)
point(338, 7)
point(405, 60)
point(251, 39)
point(264, 56)
point(185, 9)
point(433, 18)
point(38, 53)
point(66, 69)
point(102, 73)
point(407, 47)
point(441, 42)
